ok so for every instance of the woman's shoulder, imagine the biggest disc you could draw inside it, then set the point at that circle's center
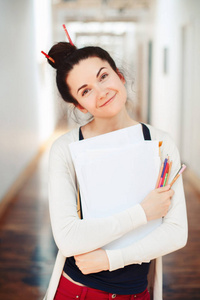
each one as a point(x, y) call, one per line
point(158, 134)
point(169, 145)
point(62, 143)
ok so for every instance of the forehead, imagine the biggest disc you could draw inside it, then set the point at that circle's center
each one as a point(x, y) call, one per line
point(85, 71)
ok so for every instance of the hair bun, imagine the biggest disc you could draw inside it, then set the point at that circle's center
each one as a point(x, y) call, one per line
point(59, 52)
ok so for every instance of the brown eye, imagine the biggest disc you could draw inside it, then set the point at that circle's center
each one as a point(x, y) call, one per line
point(103, 76)
point(85, 92)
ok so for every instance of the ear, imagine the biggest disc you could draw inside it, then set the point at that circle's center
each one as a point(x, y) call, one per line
point(81, 108)
point(121, 76)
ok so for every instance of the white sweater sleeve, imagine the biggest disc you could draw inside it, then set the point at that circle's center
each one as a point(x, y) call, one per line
point(72, 235)
point(169, 236)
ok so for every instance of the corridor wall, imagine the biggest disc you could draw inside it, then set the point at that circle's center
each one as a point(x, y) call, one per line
point(22, 83)
point(176, 67)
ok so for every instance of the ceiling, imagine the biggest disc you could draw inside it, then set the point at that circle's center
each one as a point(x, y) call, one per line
point(103, 10)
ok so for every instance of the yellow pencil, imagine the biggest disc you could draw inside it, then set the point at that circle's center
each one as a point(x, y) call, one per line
point(159, 145)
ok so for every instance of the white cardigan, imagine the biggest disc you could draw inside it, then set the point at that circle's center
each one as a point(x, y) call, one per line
point(74, 236)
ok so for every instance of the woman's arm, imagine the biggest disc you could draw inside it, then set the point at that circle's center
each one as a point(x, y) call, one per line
point(168, 237)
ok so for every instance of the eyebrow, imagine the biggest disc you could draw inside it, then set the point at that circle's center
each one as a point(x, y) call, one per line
point(83, 86)
point(99, 71)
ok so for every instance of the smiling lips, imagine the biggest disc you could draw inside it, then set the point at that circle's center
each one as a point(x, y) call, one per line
point(107, 102)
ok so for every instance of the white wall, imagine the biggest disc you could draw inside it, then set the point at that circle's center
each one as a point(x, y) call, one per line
point(21, 76)
point(144, 35)
point(171, 109)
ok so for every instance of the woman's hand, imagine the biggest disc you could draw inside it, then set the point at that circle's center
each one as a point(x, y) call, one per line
point(92, 262)
point(157, 202)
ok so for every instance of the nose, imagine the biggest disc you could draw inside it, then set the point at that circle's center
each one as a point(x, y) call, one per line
point(102, 92)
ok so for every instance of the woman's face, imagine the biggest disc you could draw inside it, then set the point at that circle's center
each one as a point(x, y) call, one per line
point(97, 88)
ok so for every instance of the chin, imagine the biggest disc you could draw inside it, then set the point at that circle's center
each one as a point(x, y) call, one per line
point(113, 113)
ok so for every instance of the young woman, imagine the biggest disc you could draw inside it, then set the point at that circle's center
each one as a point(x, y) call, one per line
point(89, 79)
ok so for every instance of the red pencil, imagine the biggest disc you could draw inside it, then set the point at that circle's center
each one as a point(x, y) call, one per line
point(170, 166)
point(163, 171)
point(166, 171)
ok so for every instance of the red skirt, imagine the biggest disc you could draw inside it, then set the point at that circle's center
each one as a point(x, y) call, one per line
point(67, 290)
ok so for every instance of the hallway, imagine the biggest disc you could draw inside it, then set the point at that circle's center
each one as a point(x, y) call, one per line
point(156, 45)
point(27, 249)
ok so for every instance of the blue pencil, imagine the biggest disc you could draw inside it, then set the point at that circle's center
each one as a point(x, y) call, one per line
point(163, 171)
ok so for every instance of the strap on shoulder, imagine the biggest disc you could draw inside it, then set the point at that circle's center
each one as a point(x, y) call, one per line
point(146, 132)
point(79, 207)
point(80, 134)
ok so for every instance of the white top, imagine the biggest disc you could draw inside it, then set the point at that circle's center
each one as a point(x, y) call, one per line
point(74, 236)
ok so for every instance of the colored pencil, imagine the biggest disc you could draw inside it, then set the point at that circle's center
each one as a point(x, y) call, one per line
point(163, 171)
point(170, 167)
point(165, 174)
point(183, 167)
point(47, 56)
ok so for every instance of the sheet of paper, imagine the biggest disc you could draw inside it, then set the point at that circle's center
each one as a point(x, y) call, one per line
point(114, 179)
point(114, 139)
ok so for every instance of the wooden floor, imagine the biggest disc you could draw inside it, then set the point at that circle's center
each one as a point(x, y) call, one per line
point(27, 249)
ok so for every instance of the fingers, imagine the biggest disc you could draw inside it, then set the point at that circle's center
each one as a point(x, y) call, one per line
point(163, 188)
point(92, 262)
point(171, 193)
point(167, 194)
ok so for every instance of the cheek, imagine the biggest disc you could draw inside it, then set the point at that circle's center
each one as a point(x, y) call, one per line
point(123, 89)
point(119, 84)
point(88, 102)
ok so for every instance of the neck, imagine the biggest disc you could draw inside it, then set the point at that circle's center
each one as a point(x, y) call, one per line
point(102, 126)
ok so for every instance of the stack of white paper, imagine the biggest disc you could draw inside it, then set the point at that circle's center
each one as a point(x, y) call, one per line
point(116, 171)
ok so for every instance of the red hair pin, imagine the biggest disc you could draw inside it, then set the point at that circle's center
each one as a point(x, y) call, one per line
point(47, 56)
point(67, 34)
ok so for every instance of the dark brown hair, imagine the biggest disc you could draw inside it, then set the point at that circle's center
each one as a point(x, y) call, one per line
point(66, 57)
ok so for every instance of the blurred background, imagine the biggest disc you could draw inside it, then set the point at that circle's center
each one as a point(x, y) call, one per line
point(156, 44)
